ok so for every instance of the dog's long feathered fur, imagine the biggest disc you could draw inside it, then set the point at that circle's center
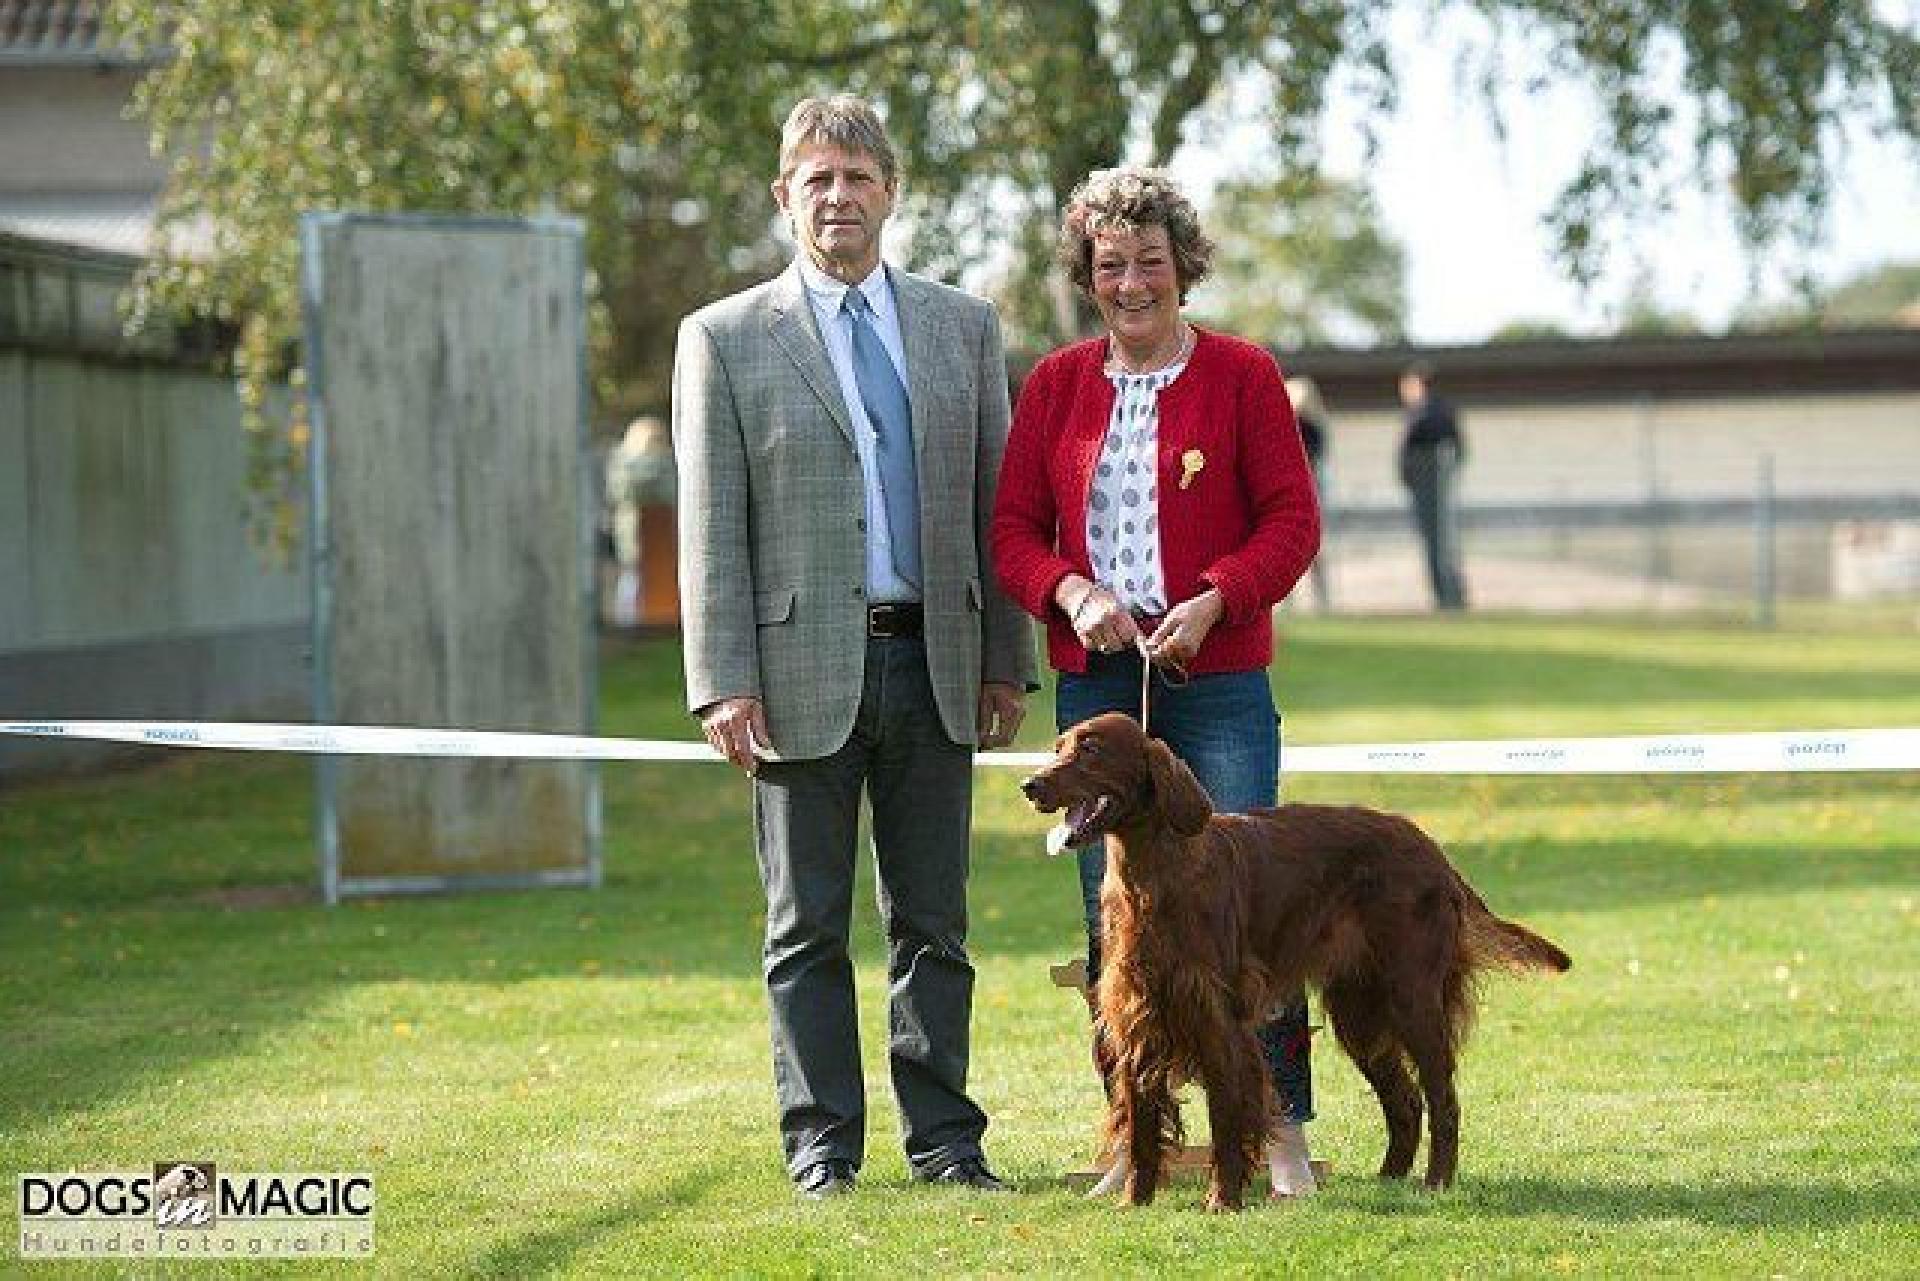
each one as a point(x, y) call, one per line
point(1208, 918)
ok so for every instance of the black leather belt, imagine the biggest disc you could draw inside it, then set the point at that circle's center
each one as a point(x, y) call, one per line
point(891, 622)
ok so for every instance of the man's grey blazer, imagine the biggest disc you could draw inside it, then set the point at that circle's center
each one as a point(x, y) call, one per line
point(772, 534)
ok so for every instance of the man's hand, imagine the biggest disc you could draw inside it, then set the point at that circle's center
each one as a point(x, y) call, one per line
point(1186, 625)
point(1002, 708)
point(737, 729)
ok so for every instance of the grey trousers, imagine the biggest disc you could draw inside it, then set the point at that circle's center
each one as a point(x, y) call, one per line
point(919, 784)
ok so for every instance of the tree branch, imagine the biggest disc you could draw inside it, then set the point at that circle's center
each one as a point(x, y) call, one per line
point(1190, 89)
point(851, 54)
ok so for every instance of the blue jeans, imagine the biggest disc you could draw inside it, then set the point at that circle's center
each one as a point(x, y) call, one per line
point(1226, 729)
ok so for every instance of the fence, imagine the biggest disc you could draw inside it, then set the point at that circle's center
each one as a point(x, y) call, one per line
point(128, 583)
point(1733, 502)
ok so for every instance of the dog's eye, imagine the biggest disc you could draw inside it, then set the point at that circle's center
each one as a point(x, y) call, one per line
point(1091, 746)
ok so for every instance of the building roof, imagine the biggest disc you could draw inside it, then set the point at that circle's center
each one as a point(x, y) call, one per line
point(1842, 361)
point(55, 33)
point(1614, 368)
point(111, 221)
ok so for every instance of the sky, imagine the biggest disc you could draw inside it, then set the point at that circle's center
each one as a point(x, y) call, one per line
point(1467, 207)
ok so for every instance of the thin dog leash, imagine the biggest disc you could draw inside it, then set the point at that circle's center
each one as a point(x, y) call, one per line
point(1171, 672)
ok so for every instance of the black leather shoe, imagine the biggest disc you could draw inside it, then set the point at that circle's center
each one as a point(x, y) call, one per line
point(969, 1172)
point(824, 1179)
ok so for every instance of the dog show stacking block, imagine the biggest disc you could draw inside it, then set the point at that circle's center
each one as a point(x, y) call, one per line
point(1190, 1164)
point(1070, 974)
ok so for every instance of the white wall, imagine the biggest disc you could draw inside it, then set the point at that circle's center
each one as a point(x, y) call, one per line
point(1683, 448)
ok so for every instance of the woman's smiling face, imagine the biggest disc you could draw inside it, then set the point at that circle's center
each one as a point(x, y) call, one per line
point(1136, 288)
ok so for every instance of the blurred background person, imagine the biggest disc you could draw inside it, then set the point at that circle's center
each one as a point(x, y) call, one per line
point(640, 486)
point(1155, 503)
point(1316, 429)
point(1431, 453)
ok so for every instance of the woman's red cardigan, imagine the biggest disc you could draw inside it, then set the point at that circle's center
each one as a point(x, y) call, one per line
point(1247, 521)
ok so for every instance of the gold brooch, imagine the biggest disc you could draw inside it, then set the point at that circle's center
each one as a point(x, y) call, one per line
point(1190, 464)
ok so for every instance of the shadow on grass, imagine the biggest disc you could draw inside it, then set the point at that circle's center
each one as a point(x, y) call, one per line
point(1770, 1204)
point(557, 1248)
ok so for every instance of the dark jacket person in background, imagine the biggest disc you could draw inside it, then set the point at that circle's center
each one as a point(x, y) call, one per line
point(1431, 453)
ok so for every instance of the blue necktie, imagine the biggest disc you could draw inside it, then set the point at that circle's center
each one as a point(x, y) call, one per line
point(885, 398)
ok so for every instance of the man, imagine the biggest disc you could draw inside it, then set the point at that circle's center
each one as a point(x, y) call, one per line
point(1431, 452)
point(838, 432)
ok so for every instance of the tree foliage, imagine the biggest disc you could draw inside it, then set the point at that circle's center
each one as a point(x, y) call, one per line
point(1302, 260)
point(661, 115)
point(1887, 293)
point(1530, 329)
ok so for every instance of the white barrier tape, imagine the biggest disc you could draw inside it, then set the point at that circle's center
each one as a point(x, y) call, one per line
point(365, 740)
point(1792, 752)
point(1798, 751)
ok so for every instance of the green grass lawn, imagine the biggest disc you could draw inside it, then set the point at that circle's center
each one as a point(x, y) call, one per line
point(1727, 1084)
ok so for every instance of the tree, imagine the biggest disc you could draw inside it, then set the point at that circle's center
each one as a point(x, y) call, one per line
point(1642, 316)
point(1885, 294)
point(625, 111)
point(1530, 329)
point(1302, 260)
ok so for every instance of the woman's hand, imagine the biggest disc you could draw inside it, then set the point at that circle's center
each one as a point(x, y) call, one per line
point(1179, 636)
point(1098, 619)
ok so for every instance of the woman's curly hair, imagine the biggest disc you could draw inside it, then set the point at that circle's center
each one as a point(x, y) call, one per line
point(1129, 198)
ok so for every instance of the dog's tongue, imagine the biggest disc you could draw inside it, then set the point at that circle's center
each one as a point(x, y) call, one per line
point(1083, 819)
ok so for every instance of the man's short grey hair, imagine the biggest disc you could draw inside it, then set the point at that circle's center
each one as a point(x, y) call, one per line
point(1128, 199)
point(843, 121)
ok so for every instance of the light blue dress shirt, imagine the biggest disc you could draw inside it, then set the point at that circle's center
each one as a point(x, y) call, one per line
point(826, 296)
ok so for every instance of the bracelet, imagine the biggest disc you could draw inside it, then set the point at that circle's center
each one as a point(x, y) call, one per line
point(1073, 619)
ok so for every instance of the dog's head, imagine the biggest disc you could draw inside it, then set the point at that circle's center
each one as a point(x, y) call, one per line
point(1106, 774)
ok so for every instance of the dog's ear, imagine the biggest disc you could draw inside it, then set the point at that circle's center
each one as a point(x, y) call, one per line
point(1182, 801)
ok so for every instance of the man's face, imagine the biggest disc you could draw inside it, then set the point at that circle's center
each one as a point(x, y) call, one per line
point(837, 202)
point(1413, 389)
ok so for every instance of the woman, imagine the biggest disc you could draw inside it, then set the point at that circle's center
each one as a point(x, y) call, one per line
point(1155, 496)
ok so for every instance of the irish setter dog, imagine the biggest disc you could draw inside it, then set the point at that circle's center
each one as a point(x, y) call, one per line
point(1207, 918)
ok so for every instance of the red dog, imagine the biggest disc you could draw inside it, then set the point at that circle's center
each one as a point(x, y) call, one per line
point(1208, 917)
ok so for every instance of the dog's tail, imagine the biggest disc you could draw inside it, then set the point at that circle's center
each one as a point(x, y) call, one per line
point(1490, 941)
